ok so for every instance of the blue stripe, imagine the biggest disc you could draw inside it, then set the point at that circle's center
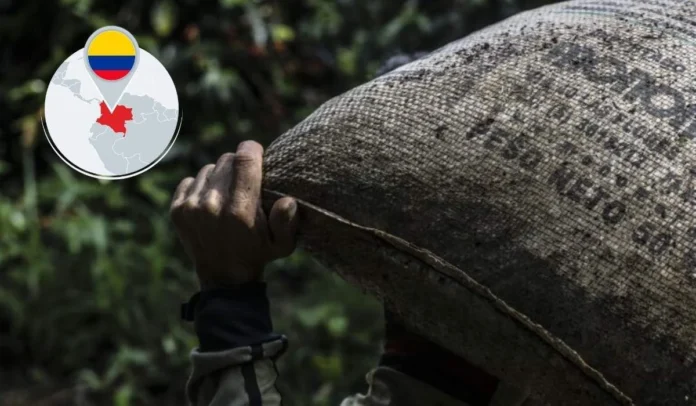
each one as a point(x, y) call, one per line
point(111, 62)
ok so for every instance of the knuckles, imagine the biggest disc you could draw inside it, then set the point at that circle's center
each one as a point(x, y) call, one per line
point(241, 217)
point(208, 206)
point(244, 159)
point(182, 211)
point(212, 203)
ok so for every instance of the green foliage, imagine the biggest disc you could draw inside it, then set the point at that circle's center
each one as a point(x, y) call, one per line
point(91, 275)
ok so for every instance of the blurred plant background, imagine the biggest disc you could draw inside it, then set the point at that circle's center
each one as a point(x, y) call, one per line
point(91, 275)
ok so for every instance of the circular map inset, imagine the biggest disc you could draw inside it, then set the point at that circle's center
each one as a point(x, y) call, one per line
point(113, 143)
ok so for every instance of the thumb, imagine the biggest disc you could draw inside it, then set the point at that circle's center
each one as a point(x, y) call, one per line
point(283, 221)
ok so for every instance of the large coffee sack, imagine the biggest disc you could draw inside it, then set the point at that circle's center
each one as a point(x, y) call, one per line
point(525, 197)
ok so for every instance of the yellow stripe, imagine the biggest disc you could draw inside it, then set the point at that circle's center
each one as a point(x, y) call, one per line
point(111, 43)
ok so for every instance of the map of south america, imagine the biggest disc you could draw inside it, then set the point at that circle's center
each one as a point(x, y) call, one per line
point(130, 137)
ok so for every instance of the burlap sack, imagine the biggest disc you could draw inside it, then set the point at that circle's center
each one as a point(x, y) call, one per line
point(525, 197)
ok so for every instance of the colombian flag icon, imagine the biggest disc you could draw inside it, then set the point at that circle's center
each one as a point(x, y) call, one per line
point(111, 55)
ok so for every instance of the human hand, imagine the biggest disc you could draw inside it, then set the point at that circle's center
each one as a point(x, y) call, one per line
point(222, 226)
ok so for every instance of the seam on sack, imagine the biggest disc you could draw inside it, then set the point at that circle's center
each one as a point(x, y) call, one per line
point(445, 268)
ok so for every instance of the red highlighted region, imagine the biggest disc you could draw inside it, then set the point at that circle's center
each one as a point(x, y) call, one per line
point(115, 119)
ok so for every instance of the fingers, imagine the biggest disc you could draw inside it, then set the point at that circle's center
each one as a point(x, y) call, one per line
point(181, 192)
point(219, 184)
point(234, 183)
point(282, 221)
point(199, 184)
point(246, 180)
point(180, 196)
point(183, 201)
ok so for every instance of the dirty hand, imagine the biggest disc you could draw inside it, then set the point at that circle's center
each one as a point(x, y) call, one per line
point(219, 219)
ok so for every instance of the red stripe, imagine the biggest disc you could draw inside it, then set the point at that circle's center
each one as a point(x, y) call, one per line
point(111, 74)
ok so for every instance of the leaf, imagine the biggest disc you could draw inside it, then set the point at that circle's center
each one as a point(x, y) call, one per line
point(282, 33)
point(337, 326)
point(330, 366)
point(28, 89)
point(123, 395)
point(169, 345)
point(311, 317)
point(233, 3)
point(347, 61)
point(258, 27)
point(90, 378)
point(78, 6)
point(163, 17)
point(30, 128)
point(213, 132)
point(149, 186)
point(99, 234)
point(18, 220)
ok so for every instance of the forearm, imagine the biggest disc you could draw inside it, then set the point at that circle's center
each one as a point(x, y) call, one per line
point(235, 362)
point(230, 239)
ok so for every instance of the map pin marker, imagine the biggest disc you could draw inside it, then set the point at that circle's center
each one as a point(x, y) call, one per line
point(111, 56)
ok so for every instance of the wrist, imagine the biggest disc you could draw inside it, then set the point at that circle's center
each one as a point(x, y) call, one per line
point(226, 318)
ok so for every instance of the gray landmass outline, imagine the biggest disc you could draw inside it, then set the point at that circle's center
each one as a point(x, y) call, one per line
point(147, 134)
point(74, 85)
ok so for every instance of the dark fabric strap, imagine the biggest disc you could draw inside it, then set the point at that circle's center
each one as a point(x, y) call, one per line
point(421, 359)
point(251, 385)
point(231, 317)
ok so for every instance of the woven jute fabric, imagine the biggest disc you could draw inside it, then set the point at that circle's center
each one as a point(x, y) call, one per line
point(524, 197)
